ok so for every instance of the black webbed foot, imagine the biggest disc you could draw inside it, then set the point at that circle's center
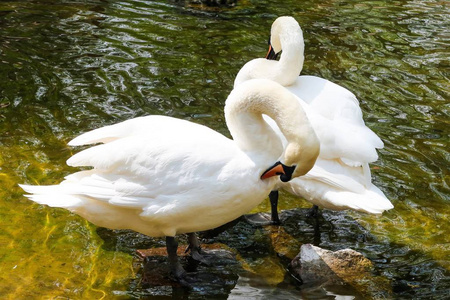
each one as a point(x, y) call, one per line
point(187, 280)
point(207, 257)
point(197, 253)
point(203, 256)
point(261, 219)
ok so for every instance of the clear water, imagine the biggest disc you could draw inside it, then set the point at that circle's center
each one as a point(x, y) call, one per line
point(70, 66)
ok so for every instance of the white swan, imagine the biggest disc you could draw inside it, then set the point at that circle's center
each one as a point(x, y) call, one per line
point(162, 176)
point(341, 178)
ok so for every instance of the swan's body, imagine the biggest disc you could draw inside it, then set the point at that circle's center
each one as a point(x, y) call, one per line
point(162, 176)
point(341, 178)
point(152, 175)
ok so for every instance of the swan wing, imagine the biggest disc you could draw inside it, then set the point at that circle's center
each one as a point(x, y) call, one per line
point(139, 165)
point(334, 185)
point(313, 88)
point(173, 189)
point(336, 177)
point(339, 139)
point(156, 183)
point(146, 125)
point(338, 120)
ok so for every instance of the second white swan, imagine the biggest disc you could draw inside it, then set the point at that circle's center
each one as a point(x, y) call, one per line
point(341, 178)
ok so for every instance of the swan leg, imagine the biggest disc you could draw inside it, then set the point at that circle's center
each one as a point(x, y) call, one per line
point(196, 251)
point(313, 212)
point(263, 219)
point(208, 257)
point(273, 197)
point(175, 266)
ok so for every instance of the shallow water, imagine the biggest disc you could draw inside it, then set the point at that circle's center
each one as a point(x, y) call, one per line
point(70, 66)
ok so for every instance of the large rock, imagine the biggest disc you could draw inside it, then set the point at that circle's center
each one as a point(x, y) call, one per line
point(317, 266)
point(314, 264)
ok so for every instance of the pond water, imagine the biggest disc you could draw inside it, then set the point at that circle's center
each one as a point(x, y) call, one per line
point(70, 66)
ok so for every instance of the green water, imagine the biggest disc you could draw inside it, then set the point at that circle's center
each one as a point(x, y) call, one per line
point(70, 66)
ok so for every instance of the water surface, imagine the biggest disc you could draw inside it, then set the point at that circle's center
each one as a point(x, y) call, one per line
point(70, 66)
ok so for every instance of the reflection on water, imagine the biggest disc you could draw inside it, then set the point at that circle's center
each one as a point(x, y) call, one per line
point(70, 66)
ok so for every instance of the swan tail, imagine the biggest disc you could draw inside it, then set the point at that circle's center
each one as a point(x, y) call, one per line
point(72, 192)
point(51, 195)
point(95, 210)
point(333, 186)
point(373, 201)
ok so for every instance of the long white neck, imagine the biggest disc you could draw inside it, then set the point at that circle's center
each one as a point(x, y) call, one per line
point(243, 112)
point(291, 61)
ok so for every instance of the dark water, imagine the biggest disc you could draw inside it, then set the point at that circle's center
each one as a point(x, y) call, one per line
point(70, 66)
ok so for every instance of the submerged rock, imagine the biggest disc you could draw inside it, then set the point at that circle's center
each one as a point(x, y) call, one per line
point(317, 266)
point(283, 244)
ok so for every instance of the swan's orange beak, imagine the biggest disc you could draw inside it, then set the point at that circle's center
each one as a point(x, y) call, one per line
point(275, 170)
point(271, 55)
point(278, 168)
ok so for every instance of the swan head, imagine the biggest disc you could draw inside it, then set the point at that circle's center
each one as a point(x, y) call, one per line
point(302, 155)
point(286, 35)
point(284, 29)
point(285, 172)
point(298, 160)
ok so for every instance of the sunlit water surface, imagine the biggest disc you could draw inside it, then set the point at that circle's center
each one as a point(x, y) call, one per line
point(70, 66)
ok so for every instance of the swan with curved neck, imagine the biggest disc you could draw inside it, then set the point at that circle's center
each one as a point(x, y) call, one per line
point(162, 176)
point(333, 110)
point(347, 145)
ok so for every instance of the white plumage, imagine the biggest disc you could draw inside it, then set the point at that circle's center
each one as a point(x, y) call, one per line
point(341, 178)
